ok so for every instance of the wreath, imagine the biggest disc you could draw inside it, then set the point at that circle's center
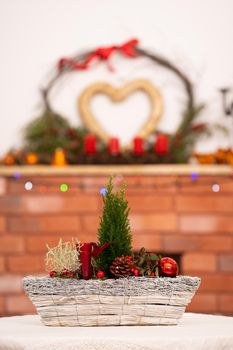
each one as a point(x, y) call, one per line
point(49, 131)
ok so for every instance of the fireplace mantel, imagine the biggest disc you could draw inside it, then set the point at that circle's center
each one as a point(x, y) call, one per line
point(95, 170)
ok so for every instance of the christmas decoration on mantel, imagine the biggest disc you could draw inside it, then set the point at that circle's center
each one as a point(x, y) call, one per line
point(107, 283)
point(50, 139)
point(221, 156)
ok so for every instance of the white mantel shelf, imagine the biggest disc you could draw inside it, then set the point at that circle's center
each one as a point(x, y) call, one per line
point(106, 170)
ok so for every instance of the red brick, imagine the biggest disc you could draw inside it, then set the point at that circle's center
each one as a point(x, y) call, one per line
point(26, 263)
point(93, 183)
point(179, 243)
point(217, 283)
point(10, 284)
point(2, 264)
point(215, 243)
point(203, 302)
point(207, 243)
point(199, 262)
point(11, 244)
point(38, 204)
point(149, 241)
point(30, 224)
point(209, 203)
point(150, 184)
point(19, 305)
point(155, 222)
point(225, 302)
point(90, 223)
point(2, 224)
point(2, 306)
point(37, 244)
point(2, 186)
point(206, 223)
point(69, 204)
point(150, 203)
point(11, 204)
point(226, 263)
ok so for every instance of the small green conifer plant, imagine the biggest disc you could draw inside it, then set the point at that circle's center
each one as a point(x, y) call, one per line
point(114, 227)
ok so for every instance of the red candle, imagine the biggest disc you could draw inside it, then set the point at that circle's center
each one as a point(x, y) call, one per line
point(161, 144)
point(114, 146)
point(138, 145)
point(90, 144)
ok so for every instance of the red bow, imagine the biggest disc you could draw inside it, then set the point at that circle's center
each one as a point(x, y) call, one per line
point(88, 250)
point(97, 250)
point(102, 53)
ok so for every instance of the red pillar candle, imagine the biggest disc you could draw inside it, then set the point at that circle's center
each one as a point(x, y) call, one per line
point(114, 146)
point(161, 144)
point(90, 144)
point(85, 259)
point(138, 146)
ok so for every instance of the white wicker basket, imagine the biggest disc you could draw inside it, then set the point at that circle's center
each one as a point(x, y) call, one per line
point(111, 302)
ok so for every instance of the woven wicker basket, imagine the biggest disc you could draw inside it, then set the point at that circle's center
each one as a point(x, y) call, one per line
point(111, 302)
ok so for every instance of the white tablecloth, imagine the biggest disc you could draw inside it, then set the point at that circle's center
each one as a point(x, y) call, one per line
point(194, 332)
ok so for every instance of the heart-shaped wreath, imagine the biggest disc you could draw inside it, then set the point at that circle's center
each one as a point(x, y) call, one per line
point(118, 95)
point(49, 131)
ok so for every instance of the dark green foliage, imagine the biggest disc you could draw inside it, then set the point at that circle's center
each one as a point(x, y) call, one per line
point(183, 141)
point(114, 227)
point(147, 262)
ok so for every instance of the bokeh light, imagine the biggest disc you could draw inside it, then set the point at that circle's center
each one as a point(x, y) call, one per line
point(64, 187)
point(215, 188)
point(28, 186)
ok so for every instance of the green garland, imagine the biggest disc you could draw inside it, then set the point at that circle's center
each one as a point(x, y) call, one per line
point(51, 131)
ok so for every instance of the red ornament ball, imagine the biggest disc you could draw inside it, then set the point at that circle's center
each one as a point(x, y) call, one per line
point(100, 274)
point(152, 274)
point(52, 273)
point(136, 273)
point(168, 267)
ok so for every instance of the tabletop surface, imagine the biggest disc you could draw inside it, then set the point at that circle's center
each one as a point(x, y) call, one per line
point(194, 332)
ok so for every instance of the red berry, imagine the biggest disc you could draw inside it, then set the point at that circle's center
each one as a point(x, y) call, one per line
point(132, 270)
point(70, 275)
point(152, 274)
point(64, 272)
point(136, 272)
point(52, 273)
point(100, 274)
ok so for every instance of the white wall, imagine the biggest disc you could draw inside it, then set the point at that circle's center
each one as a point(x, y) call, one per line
point(195, 34)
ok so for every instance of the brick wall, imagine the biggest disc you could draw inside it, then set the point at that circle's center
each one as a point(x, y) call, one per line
point(189, 220)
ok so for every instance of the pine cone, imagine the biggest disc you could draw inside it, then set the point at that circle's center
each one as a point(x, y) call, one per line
point(122, 266)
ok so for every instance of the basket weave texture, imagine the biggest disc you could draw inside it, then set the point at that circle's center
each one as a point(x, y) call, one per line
point(111, 302)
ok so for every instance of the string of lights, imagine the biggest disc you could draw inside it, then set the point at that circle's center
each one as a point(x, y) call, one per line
point(194, 179)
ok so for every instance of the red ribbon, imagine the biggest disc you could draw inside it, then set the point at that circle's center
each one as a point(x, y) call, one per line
point(97, 250)
point(102, 53)
point(88, 250)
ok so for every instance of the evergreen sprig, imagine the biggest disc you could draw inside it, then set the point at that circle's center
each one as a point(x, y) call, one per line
point(50, 131)
point(114, 226)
